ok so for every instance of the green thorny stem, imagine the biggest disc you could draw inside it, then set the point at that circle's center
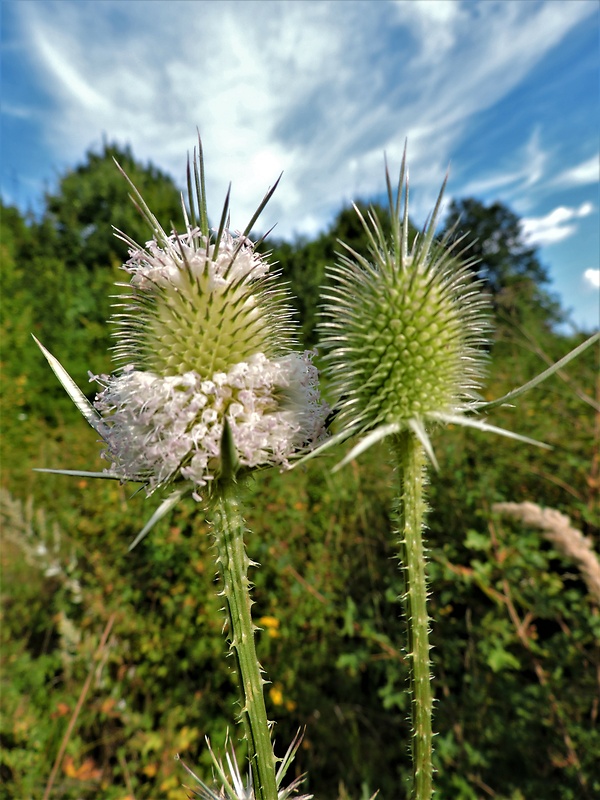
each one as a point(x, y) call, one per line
point(229, 529)
point(411, 508)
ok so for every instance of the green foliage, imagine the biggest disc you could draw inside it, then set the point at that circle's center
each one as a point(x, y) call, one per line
point(58, 275)
point(515, 632)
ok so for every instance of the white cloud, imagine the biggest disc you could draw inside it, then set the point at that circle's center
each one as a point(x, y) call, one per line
point(585, 173)
point(592, 276)
point(317, 89)
point(434, 23)
point(76, 87)
point(555, 226)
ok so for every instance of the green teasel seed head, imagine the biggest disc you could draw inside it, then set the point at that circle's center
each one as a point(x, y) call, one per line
point(405, 327)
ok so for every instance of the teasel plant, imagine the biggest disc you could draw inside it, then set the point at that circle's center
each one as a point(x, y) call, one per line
point(405, 331)
point(209, 386)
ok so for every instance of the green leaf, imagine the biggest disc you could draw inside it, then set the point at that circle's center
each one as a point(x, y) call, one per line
point(500, 659)
point(477, 541)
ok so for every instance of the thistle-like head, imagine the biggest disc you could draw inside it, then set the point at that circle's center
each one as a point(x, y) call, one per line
point(404, 327)
point(200, 303)
point(209, 380)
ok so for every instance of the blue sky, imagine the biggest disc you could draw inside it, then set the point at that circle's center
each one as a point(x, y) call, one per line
point(505, 91)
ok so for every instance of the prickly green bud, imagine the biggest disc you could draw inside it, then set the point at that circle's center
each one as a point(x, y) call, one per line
point(403, 329)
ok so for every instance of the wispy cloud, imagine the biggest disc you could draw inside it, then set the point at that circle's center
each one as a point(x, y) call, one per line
point(554, 227)
point(18, 111)
point(316, 89)
point(585, 173)
point(527, 168)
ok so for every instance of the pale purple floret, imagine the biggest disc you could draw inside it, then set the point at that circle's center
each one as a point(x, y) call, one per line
point(162, 426)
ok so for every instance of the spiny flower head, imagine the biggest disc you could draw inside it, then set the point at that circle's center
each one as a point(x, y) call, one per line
point(209, 380)
point(205, 339)
point(200, 306)
point(404, 328)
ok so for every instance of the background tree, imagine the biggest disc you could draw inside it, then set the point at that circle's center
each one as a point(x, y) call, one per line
point(94, 197)
point(59, 271)
point(508, 265)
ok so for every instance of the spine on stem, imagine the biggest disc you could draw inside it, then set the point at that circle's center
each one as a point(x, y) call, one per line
point(411, 509)
point(233, 564)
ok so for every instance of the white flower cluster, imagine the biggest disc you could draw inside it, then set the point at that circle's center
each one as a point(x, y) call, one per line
point(163, 427)
point(162, 265)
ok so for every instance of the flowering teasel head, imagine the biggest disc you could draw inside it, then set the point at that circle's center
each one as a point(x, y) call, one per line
point(209, 380)
point(405, 331)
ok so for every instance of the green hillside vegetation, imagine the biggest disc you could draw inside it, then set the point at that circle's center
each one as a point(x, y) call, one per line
point(516, 629)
